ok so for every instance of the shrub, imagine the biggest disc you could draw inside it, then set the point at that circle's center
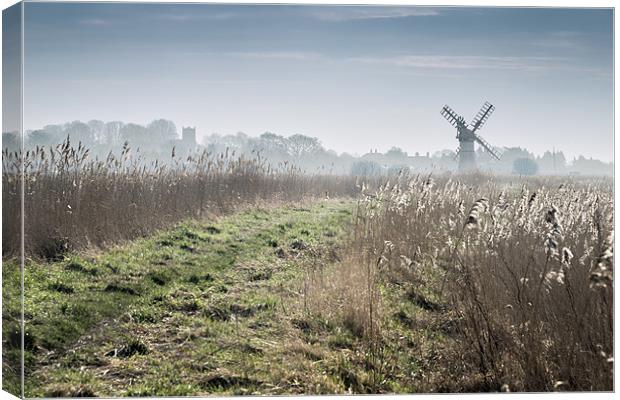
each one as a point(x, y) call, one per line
point(366, 168)
point(525, 166)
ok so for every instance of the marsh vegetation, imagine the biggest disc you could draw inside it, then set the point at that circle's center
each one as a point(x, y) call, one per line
point(217, 274)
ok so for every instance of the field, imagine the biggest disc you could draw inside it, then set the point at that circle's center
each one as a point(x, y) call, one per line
point(220, 275)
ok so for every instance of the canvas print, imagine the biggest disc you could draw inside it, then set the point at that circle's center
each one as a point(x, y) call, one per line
point(233, 199)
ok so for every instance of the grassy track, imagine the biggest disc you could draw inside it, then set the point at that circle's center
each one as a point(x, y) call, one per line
point(217, 308)
point(195, 310)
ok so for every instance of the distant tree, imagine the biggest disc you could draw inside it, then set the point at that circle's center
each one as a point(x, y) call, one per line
point(237, 142)
point(271, 145)
point(136, 135)
point(97, 128)
point(552, 163)
point(211, 139)
point(271, 137)
point(112, 133)
point(399, 169)
point(396, 152)
point(50, 135)
point(525, 166)
point(301, 145)
point(366, 168)
point(79, 132)
point(41, 138)
point(343, 163)
point(162, 131)
point(10, 140)
point(510, 154)
point(585, 166)
point(55, 130)
point(347, 157)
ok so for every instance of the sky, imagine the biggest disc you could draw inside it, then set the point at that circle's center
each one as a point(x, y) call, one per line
point(355, 77)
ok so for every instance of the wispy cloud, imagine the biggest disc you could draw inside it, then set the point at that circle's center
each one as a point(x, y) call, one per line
point(169, 17)
point(365, 13)
point(466, 62)
point(445, 63)
point(93, 22)
point(277, 55)
point(186, 17)
point(265, 55)
point(428, 65)
point(560, 39)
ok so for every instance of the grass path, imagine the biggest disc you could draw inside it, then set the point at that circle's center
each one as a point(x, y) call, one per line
point(218, 308)
point(204, 308)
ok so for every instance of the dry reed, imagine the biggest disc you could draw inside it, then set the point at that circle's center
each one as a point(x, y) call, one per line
point(72, 201)
point(528, 272)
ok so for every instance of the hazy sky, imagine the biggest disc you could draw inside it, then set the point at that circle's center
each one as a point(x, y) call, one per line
point(355, 77)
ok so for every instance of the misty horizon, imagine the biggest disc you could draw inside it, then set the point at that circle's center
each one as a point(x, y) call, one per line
point(355, 77)
point(160, 139)
point(201, 136)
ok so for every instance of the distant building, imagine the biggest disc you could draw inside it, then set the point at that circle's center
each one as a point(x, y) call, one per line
point(189, 137)
point(187, 144)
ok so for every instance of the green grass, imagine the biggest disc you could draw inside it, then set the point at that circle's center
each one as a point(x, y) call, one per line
point(201, 302)
point(215, 307)
point(11, 332)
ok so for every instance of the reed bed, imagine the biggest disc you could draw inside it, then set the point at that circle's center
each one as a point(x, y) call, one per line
point(73, 201)
point(524, 270)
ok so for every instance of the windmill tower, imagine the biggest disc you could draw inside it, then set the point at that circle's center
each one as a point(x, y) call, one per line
point(466, 134)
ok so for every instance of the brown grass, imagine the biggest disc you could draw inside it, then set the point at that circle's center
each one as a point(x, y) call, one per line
point(73, 201)
point(525, 271)
point(519, 272)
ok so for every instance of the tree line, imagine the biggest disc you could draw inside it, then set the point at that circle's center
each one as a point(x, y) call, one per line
point(156, 140)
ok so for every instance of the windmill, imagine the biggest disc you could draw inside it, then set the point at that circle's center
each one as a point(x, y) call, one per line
point(466, 134)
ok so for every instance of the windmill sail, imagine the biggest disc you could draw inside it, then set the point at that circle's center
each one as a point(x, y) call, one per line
point(487, 147)
point(482, 116)
point(452, 117)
